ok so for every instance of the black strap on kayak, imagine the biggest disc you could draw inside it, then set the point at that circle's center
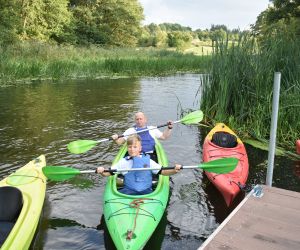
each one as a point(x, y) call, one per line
point(243, 187)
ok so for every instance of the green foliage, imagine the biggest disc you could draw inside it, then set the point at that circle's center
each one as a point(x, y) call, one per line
point(173, 27)
point(281, 13)
point(153, 35)
point(239, 90)
point(10, 22)
point(41, 19)
point(107, 22)
point(179, 40)
point(29, 61)
point(101, 22)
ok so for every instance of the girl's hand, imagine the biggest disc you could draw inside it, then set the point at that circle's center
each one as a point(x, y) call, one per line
point(100, 170)
point(115, 137)
point(177, 168)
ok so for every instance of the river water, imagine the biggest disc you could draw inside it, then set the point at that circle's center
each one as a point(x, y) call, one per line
point(43, 117)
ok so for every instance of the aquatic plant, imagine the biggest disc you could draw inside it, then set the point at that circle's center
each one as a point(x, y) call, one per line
point(239, 89)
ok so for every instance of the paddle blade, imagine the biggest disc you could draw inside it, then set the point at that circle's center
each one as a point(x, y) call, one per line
point(81, 146)
point(59, 173)
point(220, 166)
point(192, 118)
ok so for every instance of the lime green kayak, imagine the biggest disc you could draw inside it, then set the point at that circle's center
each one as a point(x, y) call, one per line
point(22, 196)
point(131, 219)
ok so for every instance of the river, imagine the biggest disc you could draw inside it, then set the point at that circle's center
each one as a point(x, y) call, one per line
point(43, 117)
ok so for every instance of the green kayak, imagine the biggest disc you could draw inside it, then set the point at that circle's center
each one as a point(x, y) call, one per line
point(131, 219)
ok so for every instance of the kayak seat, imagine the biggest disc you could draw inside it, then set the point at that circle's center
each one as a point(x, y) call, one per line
point(224, 140)
point(11, 202)
point(5, 228)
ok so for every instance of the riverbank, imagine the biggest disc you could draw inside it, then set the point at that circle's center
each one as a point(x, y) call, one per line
point(43, 61)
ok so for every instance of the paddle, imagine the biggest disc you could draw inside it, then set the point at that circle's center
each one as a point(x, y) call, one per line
point(219, 166)
point(82, 146)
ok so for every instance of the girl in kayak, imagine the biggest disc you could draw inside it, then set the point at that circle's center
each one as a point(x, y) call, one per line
point(147, 137)
point(138, 182)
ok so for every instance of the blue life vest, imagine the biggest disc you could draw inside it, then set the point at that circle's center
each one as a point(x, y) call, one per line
point(139, 180)
point(148, 142)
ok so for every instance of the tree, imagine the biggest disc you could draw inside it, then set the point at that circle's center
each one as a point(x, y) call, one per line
point(10, 22)
point(153, 35)
point(108, 22)
point(282, 12)
point(179, 39)
point(41, 19)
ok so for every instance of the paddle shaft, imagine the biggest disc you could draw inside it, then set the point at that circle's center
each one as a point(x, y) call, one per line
point(137, 132)
point(135, 169)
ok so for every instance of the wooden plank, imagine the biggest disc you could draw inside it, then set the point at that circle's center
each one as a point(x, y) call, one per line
point(269, 222)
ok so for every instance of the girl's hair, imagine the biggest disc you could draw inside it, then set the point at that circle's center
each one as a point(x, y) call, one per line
point(132, 139)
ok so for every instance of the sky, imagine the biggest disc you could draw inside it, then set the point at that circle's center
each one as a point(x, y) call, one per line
point(199, 14)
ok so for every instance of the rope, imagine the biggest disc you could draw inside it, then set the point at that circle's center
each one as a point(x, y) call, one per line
point(136, 203)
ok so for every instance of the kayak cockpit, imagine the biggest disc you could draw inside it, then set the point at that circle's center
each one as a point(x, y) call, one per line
point(11, 203)
point(224, 140)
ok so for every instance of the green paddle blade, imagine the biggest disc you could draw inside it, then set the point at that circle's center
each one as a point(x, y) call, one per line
point(81, 146)
point(220, 166)
point(59, 173)
point(192, 118)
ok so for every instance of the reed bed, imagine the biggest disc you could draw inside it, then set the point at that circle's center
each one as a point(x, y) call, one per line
point(239, 89)
point(43, 61)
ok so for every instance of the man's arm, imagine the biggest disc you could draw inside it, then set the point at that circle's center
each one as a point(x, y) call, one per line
point(166, 134)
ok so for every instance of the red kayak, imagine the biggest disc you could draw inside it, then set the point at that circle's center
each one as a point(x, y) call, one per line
point(298, 146)
point(222, 142)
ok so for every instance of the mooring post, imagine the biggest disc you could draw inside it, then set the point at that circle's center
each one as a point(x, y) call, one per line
point(272, 143)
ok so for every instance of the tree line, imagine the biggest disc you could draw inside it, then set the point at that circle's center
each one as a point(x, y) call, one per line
point(119, 23)
point(99, 22)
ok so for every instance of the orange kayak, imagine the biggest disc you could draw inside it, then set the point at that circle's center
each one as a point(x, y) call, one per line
point(222, 142)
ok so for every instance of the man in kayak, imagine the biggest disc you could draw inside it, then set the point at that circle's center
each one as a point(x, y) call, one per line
point(148, 142)
point(138, 182)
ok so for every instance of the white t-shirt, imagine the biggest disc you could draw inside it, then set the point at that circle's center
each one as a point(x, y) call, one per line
point(154, 132)
point(127, 164)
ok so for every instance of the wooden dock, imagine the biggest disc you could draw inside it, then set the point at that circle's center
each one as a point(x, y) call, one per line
point(269, 219)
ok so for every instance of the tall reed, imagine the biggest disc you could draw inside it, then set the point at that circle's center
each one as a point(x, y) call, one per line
point(239, 89)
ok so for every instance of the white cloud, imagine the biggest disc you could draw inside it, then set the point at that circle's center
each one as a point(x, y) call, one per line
point(202, 14)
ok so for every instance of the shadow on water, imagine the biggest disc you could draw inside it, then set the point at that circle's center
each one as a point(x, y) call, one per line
point(217, 202)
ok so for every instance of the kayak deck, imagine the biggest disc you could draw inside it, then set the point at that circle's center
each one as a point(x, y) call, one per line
point(132, 219)
point(28, 186)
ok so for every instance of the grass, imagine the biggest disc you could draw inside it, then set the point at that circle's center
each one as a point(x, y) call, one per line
point(200, 48)
point(239, 89)
point(43, 61)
